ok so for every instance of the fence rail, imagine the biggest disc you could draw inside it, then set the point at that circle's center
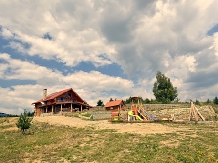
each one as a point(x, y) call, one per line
point(163, 106)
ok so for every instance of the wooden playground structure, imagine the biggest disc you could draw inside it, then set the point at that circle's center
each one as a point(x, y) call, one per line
point(194, 113)
point(138, 114)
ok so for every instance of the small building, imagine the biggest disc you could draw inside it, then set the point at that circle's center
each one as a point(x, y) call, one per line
point(63, 101)
point(115, 105)
point(3, 115)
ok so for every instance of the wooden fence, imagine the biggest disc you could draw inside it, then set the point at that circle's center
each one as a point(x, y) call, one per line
point(163, 106)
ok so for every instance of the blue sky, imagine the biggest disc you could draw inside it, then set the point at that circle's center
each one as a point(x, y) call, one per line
point(106, 49)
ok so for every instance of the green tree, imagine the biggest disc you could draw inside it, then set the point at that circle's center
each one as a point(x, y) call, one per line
point(215, 101)
point(100, 103)
point(146, 101)
point(111, 99)
point(128, 101)
point(24, 122)
point(208, 101)
point(163, 89)
point(30, 114)
point(197, 102)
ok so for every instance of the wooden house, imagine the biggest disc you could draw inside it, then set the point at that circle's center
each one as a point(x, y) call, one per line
point(64, 101)
point(115, 105)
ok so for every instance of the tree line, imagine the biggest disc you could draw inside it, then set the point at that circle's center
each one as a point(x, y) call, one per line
point(29, 114)
point(164, 93)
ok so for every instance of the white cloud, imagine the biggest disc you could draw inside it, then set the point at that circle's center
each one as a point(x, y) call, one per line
point(6, 33)
point(216, 43)
point(99, 81)
point(12, 100)
point(24, 70)
point(90, 86)
point(140, 36)
point(75, 36)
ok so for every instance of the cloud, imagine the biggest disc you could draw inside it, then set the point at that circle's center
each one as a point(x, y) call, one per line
point(74, 33)
point(142, 37)
point(14, 101)
point(91, 86)
point(99, 81)
point(6, 33)
point(24, 70)
point(145, 31)
point(173, 31)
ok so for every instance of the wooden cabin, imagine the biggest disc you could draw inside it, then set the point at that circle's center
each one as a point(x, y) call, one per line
point(63, 101)
point(115, 105)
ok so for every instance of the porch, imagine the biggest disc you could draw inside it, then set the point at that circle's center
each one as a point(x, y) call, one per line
point(61, 108)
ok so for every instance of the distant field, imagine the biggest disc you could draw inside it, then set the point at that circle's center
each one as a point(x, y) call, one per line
point(51, 143)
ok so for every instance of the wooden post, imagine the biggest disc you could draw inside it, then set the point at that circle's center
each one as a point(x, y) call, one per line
point(194, 112)
point(119, 112)
point(71, 108)
point(35, 111)
point(81, 108)
point(46, 109)
point(61, 108)
point(52, 109)
point(199, 114)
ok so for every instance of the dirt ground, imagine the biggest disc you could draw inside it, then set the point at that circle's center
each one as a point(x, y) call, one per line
point(139, 128)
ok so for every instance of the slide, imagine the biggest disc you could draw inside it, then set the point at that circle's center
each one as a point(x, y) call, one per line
point(151, 116)
point(131, 114)
point(138, 118)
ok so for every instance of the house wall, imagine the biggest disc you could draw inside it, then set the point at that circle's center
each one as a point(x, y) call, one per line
point(65, 99)
point(37, 111)
point(68, 96)
point(115, 108)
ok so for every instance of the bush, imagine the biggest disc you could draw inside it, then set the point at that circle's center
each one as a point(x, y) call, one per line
point(24, 122)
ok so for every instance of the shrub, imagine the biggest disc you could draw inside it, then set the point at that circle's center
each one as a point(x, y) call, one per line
point(24, 122)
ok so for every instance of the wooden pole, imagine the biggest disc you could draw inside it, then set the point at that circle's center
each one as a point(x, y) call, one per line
point(200, 115)
point(52, 109)
point(71, 107)
point(35, 111)
point(119, 111)
point(61, 108)
point(194, 112)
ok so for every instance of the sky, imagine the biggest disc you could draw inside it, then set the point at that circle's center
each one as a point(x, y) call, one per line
point(106, 49)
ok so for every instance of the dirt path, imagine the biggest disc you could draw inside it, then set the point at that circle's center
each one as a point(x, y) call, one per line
point(140, 128)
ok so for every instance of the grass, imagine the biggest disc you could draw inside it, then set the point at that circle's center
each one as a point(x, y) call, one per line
point(86, 114)
point(49, 143)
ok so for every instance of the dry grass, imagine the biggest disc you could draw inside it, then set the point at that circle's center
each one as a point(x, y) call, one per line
point(50, 143)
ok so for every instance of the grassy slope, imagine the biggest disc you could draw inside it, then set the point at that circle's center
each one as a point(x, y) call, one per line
point(47, 143)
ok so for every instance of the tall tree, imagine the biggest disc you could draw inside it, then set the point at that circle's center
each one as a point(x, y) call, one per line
point(163, 89)
point(111, 99)
point(197, 102)
point(100, 103)
point(215, 101)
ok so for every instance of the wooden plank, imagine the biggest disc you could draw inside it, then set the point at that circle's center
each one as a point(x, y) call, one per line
point(199, 114)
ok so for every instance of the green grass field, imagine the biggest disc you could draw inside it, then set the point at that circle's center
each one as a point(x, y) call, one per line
point(49, 143)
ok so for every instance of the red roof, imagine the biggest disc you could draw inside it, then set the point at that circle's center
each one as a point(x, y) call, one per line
point(114, 103)
point(56, 94)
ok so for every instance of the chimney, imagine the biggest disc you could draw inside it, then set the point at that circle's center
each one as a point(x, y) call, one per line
point(44, 94)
